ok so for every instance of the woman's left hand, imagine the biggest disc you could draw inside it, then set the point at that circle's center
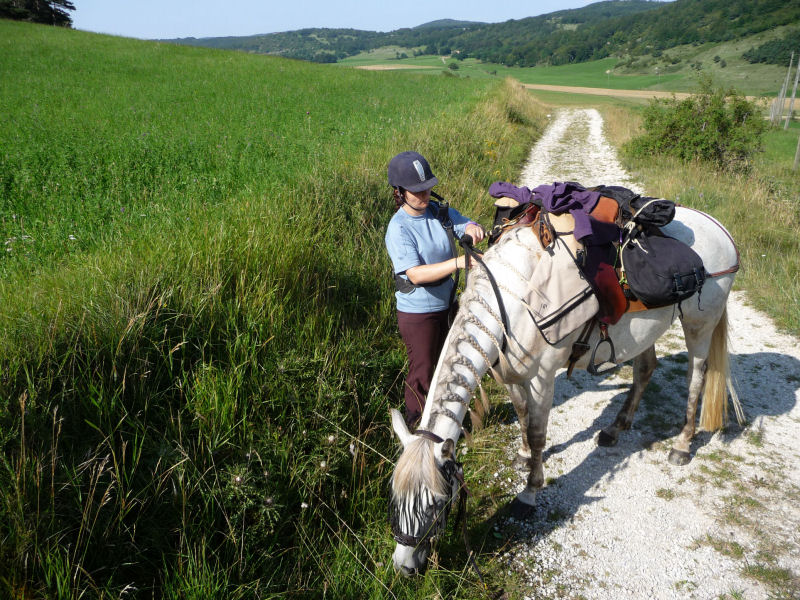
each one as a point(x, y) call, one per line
point(475, 231)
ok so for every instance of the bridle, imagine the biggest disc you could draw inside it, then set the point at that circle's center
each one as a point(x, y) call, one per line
point(453, 473)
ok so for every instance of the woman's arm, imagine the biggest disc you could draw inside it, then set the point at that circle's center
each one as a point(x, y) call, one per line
point(434, 272)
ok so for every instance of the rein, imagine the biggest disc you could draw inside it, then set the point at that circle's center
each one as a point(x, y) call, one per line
point(472, 253)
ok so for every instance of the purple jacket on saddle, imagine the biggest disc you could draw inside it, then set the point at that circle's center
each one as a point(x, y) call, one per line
point(564, 197)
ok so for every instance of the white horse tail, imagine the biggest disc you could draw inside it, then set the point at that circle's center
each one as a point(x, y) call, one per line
point(714, 410)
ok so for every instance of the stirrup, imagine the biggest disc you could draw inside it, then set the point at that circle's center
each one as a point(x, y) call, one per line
point(608, 365)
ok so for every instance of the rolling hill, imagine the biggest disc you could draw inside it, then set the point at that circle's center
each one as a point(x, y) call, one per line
point(620, 28)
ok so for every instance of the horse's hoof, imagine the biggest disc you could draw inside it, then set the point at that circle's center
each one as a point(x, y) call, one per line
point(679, 457)
point(519, 510)
point(521, 463)
point(606, 440)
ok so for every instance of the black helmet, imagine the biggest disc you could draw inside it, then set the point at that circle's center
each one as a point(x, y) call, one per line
point(410, 171)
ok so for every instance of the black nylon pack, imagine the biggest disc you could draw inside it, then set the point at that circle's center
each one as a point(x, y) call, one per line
point(661, 270)
point(656, 212)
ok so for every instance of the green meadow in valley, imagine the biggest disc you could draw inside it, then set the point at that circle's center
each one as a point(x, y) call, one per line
point(198, 350)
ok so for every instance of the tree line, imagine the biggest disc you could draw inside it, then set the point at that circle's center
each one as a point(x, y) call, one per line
point(615, 27)
point(50, 12)
point(775, 52)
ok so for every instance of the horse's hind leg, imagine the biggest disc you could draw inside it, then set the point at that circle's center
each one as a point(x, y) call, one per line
point(520, 402)
point(695, 376)
point(643, 367)
point(706, 342)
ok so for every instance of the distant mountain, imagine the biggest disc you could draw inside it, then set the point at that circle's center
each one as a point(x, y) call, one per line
point(447, 24)
point(614, 27)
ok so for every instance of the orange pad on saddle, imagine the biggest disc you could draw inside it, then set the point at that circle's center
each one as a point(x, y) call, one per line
point(606, 210)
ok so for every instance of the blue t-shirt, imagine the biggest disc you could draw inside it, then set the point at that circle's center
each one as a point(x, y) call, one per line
point(412, 241)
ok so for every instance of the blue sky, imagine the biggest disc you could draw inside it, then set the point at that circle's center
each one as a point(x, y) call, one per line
point(153, 19)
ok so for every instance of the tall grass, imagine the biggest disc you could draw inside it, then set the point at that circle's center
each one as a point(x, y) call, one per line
point(194, 390)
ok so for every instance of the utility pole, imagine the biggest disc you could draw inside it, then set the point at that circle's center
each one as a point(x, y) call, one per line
point(777, 106)
point(794, 91)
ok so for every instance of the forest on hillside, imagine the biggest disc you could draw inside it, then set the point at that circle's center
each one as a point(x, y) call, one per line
point(775, 52)
point(439, 37)
point(614, 27)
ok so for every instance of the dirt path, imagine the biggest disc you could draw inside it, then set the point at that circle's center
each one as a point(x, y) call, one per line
point(623, 522)
point(606, 91)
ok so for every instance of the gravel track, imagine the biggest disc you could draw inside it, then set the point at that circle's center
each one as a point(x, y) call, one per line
point(622, 522)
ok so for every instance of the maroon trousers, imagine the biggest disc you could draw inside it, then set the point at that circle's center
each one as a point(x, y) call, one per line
point(424, 335)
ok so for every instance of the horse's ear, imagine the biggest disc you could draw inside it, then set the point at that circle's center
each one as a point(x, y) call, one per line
point(447, 449)
point(400, 427)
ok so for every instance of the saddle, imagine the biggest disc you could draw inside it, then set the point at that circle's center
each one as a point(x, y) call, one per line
point(596, 266)
point(596, 263)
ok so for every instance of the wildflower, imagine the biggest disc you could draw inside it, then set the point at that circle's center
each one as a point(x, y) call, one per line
point(323, 464)
point(237, 480)
point(268, 501)
point(72, 237)
point(352, 449)
point(331, 438)
point(304, 505)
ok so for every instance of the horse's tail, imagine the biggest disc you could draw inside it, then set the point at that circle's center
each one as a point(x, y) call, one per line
point(714, 410)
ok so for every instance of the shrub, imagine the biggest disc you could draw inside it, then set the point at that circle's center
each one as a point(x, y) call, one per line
point(714, 125)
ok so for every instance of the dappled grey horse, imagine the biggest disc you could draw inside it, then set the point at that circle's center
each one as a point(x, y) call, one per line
point(424, 484)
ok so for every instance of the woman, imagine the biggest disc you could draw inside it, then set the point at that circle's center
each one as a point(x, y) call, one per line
point(423, 260)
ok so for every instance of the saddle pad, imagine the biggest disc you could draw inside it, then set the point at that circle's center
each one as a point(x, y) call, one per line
point(560, 298)
point(606, 210)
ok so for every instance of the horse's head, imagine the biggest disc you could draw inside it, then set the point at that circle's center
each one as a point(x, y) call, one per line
point(424, 486)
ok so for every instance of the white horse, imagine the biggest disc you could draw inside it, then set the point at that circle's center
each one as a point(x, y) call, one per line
point(424, 484)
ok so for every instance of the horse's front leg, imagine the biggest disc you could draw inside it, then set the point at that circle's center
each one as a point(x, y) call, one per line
point(643, 367)
point(519, 400)
point(680, 453)
point(539, 398)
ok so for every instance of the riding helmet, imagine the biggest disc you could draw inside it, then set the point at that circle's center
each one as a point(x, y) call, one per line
point(410, 171)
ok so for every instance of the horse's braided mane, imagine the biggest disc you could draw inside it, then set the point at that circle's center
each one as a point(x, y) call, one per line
point(416, 469)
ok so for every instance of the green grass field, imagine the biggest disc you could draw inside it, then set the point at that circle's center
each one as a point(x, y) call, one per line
point(198, 350)
point(645, 73)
